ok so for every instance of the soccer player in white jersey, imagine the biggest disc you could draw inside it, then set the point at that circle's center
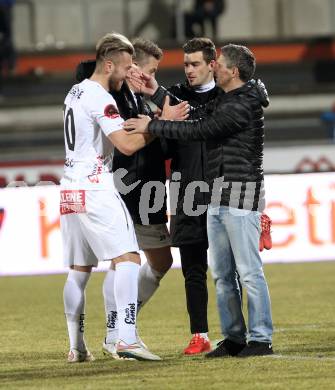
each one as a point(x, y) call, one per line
point(95, 223)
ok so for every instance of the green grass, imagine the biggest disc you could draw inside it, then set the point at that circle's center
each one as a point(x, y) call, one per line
point(33, 339)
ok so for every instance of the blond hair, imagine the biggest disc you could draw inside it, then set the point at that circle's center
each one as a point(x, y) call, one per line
point(111, 44)
point(144, 49)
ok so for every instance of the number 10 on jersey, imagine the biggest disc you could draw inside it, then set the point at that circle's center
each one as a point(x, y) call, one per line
point(69, 128)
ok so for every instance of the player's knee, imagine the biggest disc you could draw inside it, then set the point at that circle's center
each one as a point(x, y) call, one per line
point(133, 257)
point(82, 268)
point(160, 259)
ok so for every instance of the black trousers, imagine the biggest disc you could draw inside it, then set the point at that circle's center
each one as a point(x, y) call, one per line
point(194, 266)
point(7, 51)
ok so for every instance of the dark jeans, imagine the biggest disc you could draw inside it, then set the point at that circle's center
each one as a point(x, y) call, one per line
point(194, 266)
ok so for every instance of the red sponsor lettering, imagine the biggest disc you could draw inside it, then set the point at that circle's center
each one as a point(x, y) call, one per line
point(312, 204)
point(72, 201)
point(93, 178)
point(315, 205)
point(288, 220)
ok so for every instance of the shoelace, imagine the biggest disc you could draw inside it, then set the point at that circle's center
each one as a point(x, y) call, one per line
point(195, 339)
point(266, 223)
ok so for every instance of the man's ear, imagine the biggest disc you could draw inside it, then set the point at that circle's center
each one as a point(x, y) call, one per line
point(109, 66)
point(235, 72)
point(212, 64)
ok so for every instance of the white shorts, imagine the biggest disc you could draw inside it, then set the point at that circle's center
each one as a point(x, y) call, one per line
point(152, 236)
point(96, 226)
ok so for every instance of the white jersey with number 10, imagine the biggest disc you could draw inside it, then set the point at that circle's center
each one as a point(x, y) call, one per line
point(90, 115)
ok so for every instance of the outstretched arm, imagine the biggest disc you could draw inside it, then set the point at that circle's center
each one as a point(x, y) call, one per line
point(128, 145)
point(158, 94)
point(228, 119)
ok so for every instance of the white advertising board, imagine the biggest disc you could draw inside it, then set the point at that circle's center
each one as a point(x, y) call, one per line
point(302, 208)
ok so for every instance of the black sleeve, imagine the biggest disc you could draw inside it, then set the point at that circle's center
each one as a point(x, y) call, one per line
point(147, 109)
point(85, 70)
point(159, 96)
point(226, 120)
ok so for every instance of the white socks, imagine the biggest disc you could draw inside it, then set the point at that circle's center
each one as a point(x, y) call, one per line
point(112, 334)
point(74, 305)
point(120, 289)
point(148, 282)
point(125, 293)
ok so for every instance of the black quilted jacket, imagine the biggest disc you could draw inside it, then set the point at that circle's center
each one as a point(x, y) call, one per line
point(233, 127)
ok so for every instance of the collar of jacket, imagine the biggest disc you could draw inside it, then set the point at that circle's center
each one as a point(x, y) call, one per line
point(244, 88)
point(186, 85)
point(253, 87)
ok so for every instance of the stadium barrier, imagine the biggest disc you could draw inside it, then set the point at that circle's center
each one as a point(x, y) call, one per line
point(302, 207)
point(298, 159)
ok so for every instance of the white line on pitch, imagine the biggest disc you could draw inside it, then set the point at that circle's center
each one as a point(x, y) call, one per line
point(313, 358)
point(297, 328)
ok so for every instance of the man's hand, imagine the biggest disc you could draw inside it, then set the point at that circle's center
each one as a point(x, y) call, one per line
point(144, 83)
point(134, 79)
point(137, 125)
point(178, 112)
point(157, 113)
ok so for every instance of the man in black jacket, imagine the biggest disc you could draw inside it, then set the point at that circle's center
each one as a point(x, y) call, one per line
point(146, 165)
point(189, 233)
point(233, 128)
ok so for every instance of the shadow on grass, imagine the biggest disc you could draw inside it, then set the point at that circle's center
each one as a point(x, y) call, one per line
point(40, 366)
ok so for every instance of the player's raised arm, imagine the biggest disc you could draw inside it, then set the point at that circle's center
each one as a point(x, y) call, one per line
point(107, 115)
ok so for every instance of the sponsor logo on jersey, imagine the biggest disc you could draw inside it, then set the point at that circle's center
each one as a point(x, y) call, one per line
point(76, 92)
point(69, 162)
point(111, 111)
point(72, 201)
point(93, 179)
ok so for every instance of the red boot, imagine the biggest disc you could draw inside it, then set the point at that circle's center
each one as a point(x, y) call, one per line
point(198, 344)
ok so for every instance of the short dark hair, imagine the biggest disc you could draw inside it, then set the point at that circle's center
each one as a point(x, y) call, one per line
point(144, 48)
point(241, 57)
point(201, 44)
point(111, 44)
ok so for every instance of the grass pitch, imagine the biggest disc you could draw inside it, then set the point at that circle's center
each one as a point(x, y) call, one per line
point(33, 339)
